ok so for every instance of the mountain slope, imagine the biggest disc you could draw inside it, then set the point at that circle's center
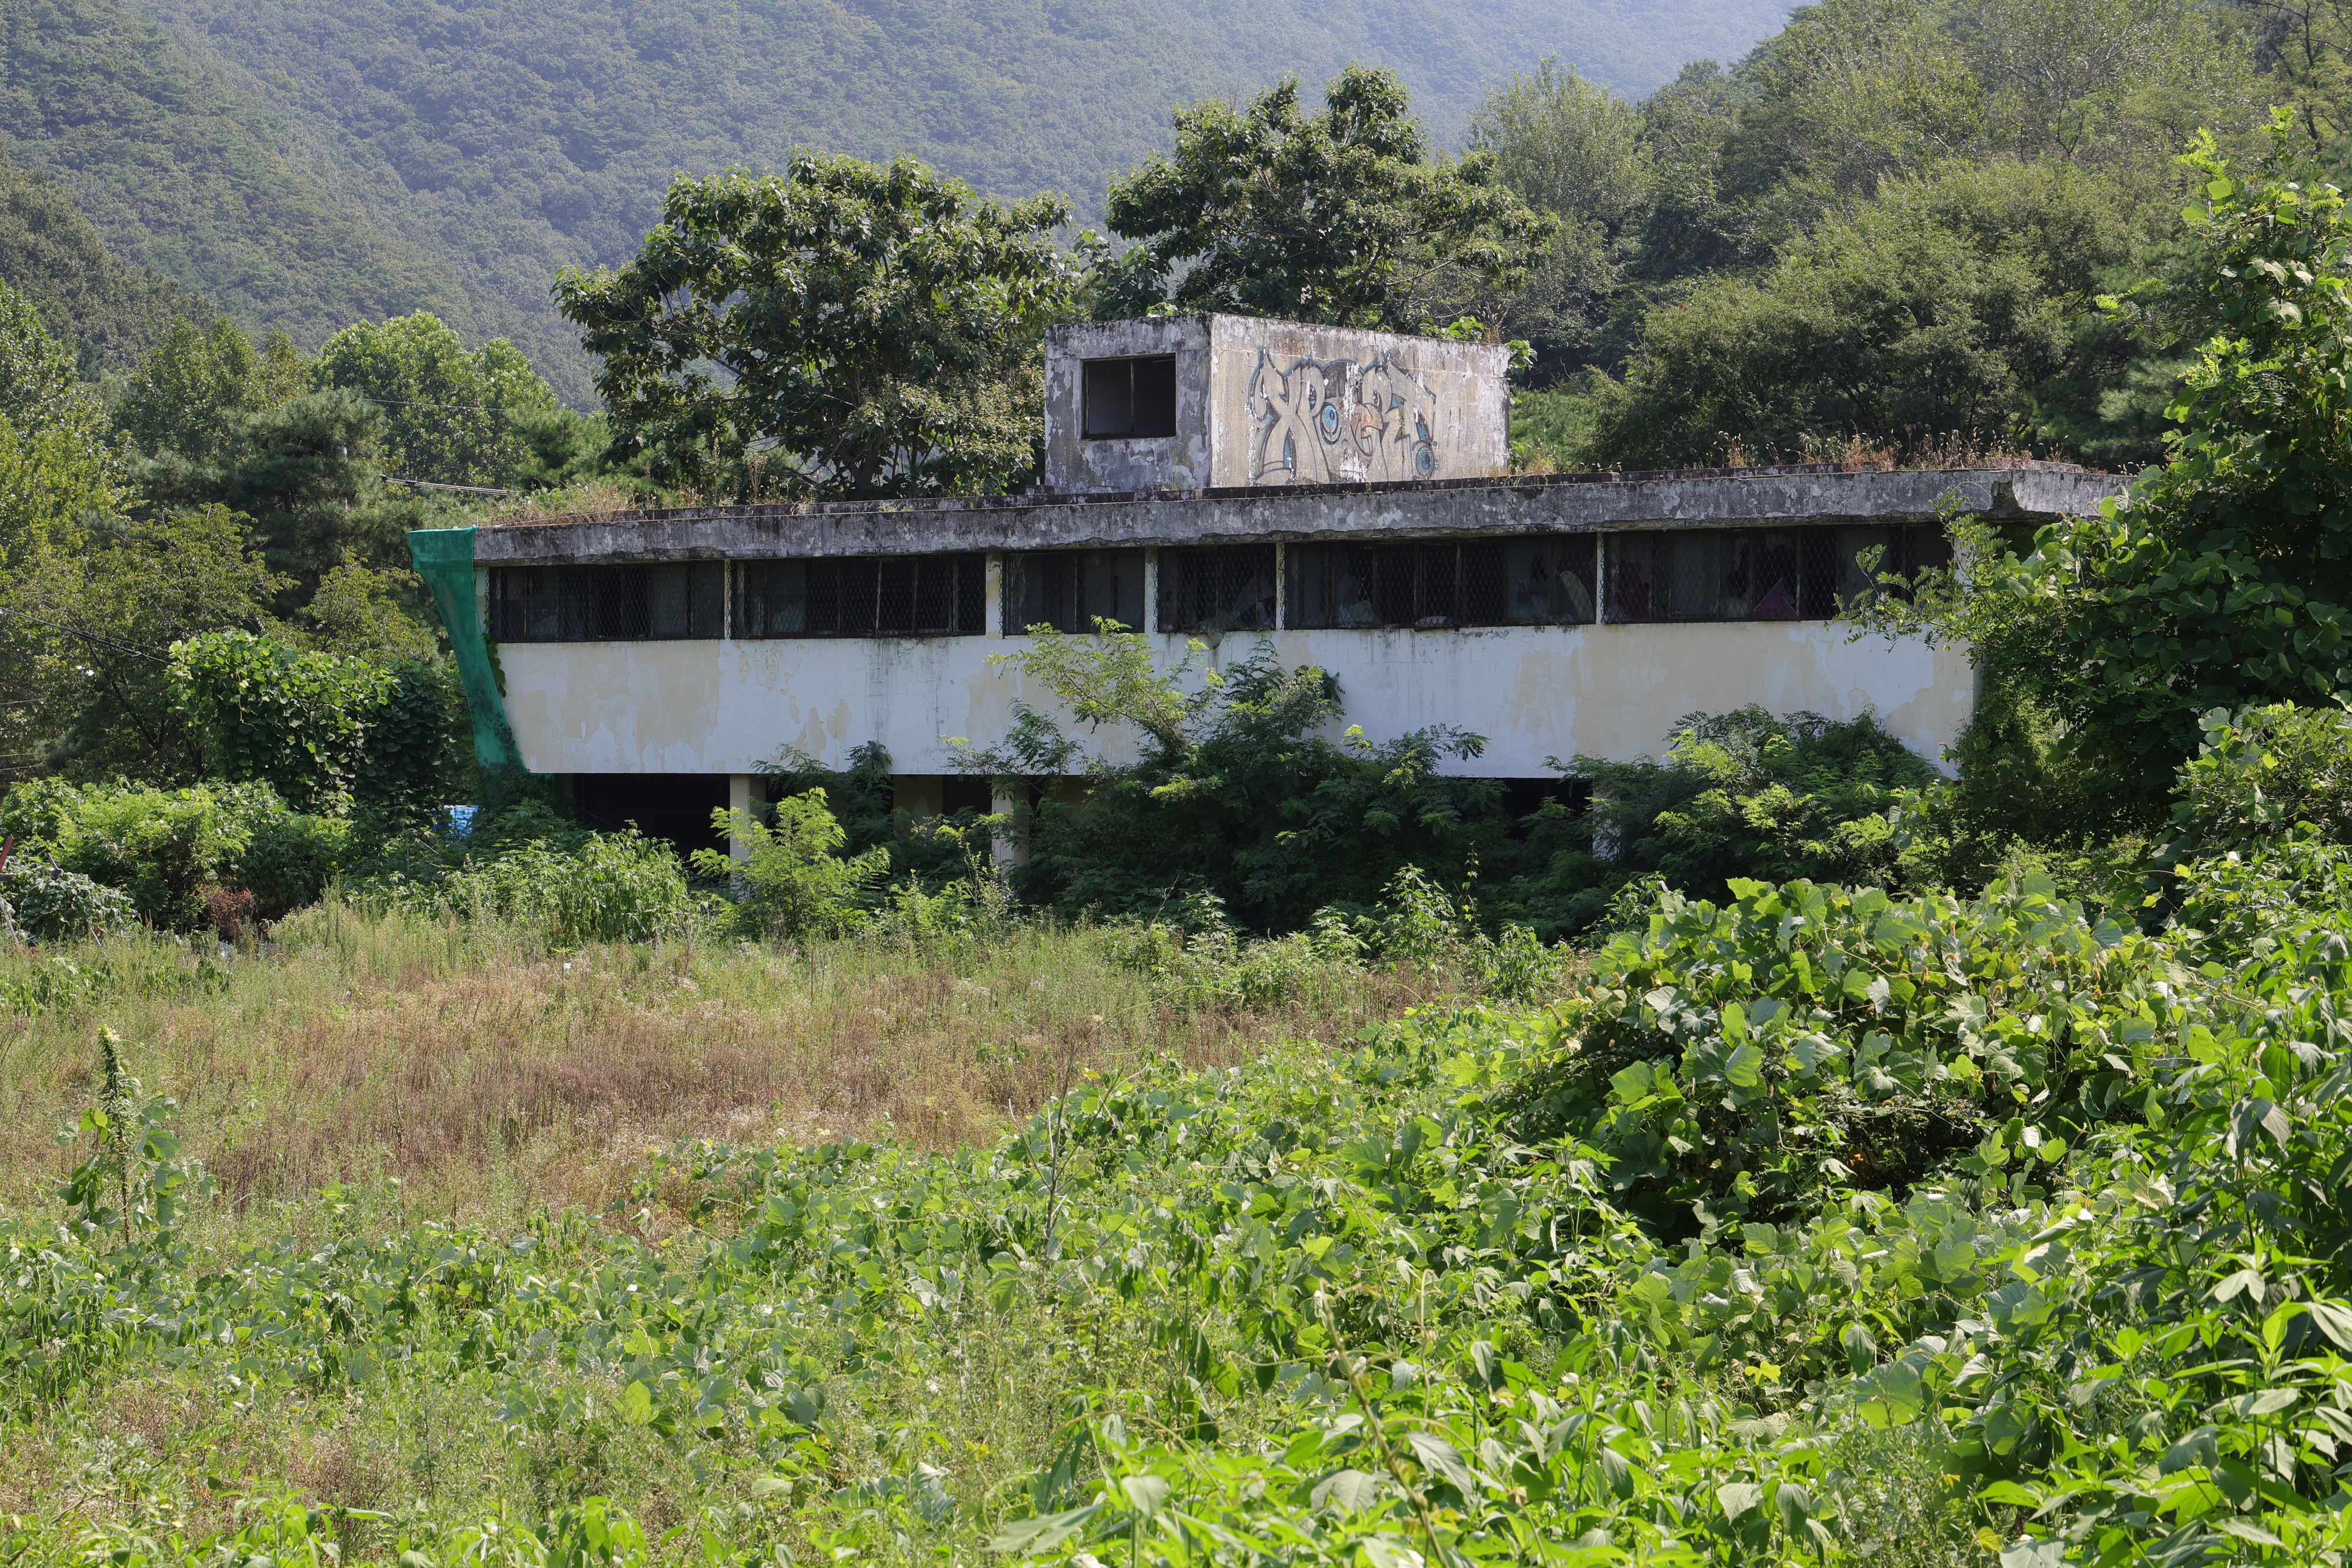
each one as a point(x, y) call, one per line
point(110, 311)
point(185, 174)
point(455, 156)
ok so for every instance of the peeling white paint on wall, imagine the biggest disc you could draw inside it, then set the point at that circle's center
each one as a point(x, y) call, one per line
point(1534, 693)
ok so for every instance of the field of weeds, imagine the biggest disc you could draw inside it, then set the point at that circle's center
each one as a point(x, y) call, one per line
point(468, 1072)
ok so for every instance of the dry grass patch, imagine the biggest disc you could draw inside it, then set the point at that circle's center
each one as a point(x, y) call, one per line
point(493, 1077)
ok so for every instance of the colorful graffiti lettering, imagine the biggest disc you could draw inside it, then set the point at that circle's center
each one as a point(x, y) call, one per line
point(1333, 420)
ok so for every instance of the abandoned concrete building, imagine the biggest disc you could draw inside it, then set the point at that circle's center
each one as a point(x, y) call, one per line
point(1341, 496)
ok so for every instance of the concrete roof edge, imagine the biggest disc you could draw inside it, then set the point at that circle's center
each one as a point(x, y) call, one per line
point(1498, 506)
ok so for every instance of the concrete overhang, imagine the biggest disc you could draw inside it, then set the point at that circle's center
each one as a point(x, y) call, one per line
point(1548, 504)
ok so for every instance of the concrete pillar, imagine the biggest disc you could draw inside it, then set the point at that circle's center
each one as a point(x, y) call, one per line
point(1150, 591)
point(743, 789)
point(1011, 845)
point(1281, 586)
point(992, 616)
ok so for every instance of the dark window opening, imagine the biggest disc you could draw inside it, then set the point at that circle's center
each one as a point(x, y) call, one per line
point(1464, 582)
point(673, 807)
point(962, 792)
point(1523, 798)
point(668, 602)
point(1762, 574)
point(1070, 590)
point(1217, 590)
point(1130, 399)
point(884, 596)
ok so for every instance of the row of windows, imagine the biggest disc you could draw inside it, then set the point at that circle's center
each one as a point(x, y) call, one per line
point(1742, 574)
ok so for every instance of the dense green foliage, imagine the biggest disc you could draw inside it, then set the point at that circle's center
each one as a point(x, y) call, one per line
point(1342, 216)
point(1667, 1272)
point(188, 174)
point(1238, 793)
point(450, 416)
point(870, 330)
point(110, 313)
point(796, 881)
point(479, 153)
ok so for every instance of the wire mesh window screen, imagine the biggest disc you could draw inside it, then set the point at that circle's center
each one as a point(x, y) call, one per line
point(1071, 590)
point(668, 602)
point(1466, 582)
point(1760, 574)
point(868, 596)
point(1223, 588)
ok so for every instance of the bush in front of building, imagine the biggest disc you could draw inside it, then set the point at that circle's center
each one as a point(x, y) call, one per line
point(1742, 794)
point(795, 881)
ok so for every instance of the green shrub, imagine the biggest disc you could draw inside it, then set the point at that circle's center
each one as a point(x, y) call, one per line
point(1755, 1059)
point(795, 881)
point(290, 859)
point(1741, 794)
point(47, 904)
point(1238, 792)
point(164, 848)
point(168, 850)
point(2259, 772)
point(573, 887)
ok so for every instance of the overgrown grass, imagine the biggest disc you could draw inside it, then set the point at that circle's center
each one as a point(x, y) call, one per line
point(495, 1076)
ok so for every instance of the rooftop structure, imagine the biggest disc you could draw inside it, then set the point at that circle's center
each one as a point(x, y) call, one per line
point(1189, 402)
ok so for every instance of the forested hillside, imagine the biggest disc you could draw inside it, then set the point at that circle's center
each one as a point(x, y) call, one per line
point(185, 172)
point(307, 163)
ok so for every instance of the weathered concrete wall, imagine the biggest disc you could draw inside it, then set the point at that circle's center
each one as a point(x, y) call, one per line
point(1534, 693)
point(1552, 504)
point(1296, 404)
point(1169, 462)
point(1280, 403)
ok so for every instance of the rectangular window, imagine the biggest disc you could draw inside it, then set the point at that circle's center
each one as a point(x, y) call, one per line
point(672, 601)
point(1760, 574)
point(1464, 583)
point(1130, 399)
point(1071, 590)
point(1217, 588)
point(870, 596)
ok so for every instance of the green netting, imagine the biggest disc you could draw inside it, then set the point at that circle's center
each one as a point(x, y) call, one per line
point(444, 560)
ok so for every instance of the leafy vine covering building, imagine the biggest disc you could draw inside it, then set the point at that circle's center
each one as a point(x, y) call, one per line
point(1342, 495)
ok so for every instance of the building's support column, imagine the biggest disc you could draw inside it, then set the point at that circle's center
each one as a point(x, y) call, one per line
point(743, 789)
point(1150, 591)
point(992, 617)
point(1600, 578)
point(1281, 586)
point(1010, 844)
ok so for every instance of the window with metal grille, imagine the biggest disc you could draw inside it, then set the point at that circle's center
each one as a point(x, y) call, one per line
point(1071, 590)
point(1760, 574)
point(1129, 400)
point(863, 596)
point(667, 602)
point(1225, 587)
point(1464, 583)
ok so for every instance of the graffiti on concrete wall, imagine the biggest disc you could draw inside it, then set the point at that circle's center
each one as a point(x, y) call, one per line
point(1325, 421)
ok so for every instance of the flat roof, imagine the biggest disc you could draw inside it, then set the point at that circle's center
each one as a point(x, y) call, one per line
point(1518, 503)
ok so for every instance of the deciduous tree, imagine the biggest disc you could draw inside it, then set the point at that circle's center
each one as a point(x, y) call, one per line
point(1344, 216)
point(842, 328)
